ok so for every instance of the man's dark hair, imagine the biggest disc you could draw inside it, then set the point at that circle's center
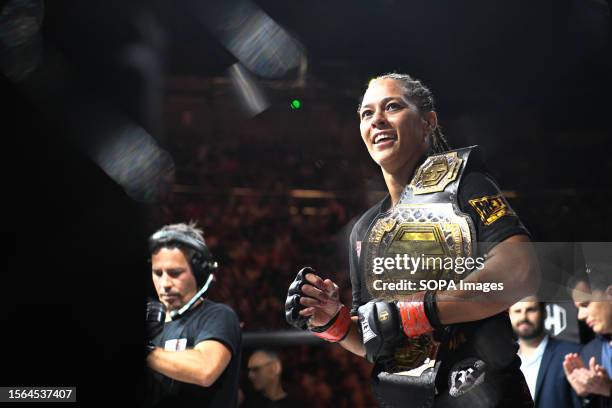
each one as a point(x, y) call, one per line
point(541, 305)
point(423, 98)
point(599, 276)
point(270, 353)
point(190, 240)
point(191, 229)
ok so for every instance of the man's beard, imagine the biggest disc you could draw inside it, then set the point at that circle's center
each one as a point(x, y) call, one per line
point(533, 332)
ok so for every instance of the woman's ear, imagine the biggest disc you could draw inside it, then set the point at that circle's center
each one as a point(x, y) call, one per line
point(430, 120)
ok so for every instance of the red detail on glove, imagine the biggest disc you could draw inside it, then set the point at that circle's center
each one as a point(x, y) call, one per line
point(412, 313)
point(337, 331)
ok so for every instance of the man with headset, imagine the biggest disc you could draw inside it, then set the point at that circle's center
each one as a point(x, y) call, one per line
point(193, 350)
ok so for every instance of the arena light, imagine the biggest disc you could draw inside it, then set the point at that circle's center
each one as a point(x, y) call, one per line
point(296, 104)
point(253, 99)
point(252, 36)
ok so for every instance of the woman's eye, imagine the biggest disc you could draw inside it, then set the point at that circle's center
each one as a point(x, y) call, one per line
point(366, 113)
point(393, 106)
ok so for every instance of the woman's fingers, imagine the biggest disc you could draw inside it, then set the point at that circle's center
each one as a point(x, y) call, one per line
point(315, 280)
point(327, 286)
point(310, 302)
point(592, 363)
point(309, 311)
point(331, 289)
point(567, 367)
point(314, 292)
point(574, 361)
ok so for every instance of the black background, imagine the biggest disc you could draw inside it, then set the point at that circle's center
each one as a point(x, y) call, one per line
point(75, 254)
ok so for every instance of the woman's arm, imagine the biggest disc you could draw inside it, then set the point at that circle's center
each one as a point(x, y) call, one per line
point(512, 263)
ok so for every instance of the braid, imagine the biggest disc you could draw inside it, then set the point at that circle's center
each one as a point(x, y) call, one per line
point(439, 144)
point(422, 97)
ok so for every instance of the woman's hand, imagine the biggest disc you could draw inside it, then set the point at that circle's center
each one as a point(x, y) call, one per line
point(321, 300)
point(585, 381)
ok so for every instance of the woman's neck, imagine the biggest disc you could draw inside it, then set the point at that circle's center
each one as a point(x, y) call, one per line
point(396, 181)
point(395, 186)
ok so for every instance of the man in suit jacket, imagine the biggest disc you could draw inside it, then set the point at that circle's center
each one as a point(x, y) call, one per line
point(542, 356)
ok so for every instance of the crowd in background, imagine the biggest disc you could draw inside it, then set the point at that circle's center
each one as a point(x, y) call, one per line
point(262, 235)
point(243, 196)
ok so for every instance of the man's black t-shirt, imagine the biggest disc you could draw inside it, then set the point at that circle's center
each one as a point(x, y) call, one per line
point(260, 401)
point(208, 321)
point(491, 340)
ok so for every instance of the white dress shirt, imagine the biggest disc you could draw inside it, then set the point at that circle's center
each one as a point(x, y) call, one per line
point(531, 365)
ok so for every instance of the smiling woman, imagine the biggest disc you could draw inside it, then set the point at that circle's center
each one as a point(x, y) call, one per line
point(453, 347)
point(398, 125)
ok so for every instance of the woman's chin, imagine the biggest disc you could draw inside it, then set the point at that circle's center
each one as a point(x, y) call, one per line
point(391, 164)
point(386, 160)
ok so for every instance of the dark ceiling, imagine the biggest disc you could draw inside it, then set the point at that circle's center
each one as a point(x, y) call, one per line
point(523, 50)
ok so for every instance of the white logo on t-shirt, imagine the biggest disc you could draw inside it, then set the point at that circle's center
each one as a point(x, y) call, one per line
point(175, 345)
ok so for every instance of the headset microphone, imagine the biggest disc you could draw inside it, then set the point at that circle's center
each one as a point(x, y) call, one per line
point(175, 314)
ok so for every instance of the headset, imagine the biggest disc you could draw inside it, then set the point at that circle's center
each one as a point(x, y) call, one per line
point(202, 263)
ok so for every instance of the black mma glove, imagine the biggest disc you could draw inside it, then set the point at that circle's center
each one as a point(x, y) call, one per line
point(154, 323)
point(292, 304)
point(380, 327)
point(384, 323)
point(338, 319)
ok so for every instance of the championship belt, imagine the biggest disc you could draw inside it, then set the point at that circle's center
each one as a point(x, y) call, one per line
point(421, 234)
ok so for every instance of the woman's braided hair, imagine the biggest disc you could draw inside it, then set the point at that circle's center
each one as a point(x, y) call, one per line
point(422, 97)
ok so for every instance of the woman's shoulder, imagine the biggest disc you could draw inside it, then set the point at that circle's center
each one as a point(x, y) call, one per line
point(367, 217)
point(592, 349)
